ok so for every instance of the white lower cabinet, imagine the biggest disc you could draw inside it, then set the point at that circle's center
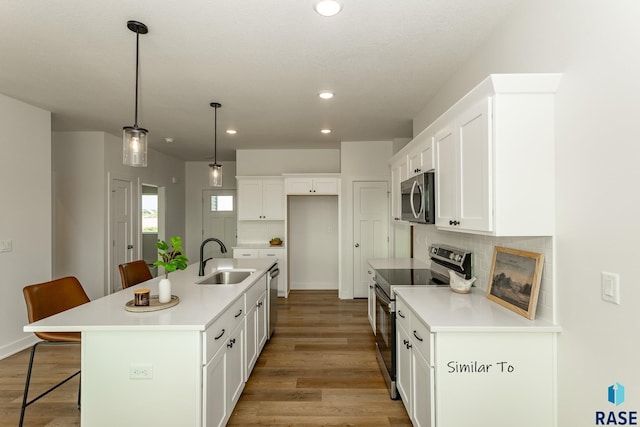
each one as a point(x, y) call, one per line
point(277, 253)
point(472, 376)
point(215, 390)
point(235, 366)
point(255, 323)
point(414, 375)
point(235, 340)
point(371, 299)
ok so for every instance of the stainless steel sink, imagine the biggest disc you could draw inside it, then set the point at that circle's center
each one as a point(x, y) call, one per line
point(230, 277)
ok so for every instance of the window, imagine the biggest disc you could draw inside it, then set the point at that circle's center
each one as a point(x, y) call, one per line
point(221, 203)
point(149, 213)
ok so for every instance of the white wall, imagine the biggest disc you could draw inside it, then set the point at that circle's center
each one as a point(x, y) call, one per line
point(361, 161)
point(594, 44)
point(85, 161)
point(196, 181)
point(276, 162)
point(313, 242)
point(80, 209)
point(25, 218)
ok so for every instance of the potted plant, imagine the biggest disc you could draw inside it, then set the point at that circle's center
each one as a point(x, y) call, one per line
point(172, 259)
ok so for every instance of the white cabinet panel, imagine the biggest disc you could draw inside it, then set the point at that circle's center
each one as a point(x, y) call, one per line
point(260, 199)
point(315, 186)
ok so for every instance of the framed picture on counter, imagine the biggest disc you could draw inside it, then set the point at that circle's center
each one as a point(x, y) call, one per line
point(514, 280)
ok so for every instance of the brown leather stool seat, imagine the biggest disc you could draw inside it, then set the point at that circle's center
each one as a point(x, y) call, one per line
point(44, 300)
point(134, 272)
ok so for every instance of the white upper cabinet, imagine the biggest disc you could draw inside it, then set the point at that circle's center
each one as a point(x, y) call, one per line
point(312, 185)
point(494, 158)
point(462, 165)
point(260, 199)
point(421, 154)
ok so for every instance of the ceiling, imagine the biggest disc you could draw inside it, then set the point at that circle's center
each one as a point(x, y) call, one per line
point(264, 61)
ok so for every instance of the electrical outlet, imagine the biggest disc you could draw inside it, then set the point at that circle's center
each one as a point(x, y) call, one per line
point(141, 372)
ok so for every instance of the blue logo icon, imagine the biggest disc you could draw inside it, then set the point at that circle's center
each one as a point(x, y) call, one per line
point(616, 394)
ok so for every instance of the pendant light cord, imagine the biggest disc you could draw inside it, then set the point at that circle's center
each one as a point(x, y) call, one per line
point(215, 136)
point(135, 125)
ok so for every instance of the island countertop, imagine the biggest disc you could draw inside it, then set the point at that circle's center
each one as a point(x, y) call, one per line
point(199, 306)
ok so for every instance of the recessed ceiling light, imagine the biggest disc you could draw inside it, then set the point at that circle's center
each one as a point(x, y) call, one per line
point(232, 131)
point(326, 131)
point(327, 7)
point(168, 140)
point(326, 94)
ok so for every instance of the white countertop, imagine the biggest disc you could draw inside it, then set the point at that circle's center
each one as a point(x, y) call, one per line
point(396, 263)
point(257, 246)
point(199, 305)
point(445, 311)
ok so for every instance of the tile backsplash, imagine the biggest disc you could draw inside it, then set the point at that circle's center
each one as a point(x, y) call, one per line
point(482, 248)
point(252, 232)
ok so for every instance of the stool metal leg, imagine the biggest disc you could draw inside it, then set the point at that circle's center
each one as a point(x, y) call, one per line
point(29, 370)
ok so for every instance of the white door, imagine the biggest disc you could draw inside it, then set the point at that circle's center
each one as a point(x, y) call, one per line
point(370, 230)
point(219, 221)
point(121, 231)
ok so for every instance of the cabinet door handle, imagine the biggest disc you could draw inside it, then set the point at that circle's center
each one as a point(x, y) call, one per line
point(400, 314)
point(219, 336)
point(357, 245)
point(239, 313)
point(415, 334)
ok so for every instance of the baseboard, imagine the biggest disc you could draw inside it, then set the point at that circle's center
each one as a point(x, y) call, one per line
point(17, 346)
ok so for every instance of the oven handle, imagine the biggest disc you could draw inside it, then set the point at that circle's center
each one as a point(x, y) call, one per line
point(380, 295)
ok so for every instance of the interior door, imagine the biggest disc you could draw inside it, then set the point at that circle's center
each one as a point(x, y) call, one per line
point(370, 230)
point(219, 220)
point(121, 229)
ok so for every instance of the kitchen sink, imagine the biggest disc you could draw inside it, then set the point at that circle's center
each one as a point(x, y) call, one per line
point(225, 277)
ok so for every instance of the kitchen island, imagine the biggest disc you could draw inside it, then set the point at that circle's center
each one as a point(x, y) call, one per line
point(169, 367)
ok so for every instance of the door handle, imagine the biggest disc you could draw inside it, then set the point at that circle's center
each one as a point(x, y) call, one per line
point(357, 245)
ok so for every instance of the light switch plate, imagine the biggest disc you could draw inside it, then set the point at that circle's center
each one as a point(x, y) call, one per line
point(6, 245)
point(610, 287)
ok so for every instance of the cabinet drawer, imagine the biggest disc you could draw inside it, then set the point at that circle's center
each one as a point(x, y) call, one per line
point(246, 253)
point(215, 336)
point(254, 293)
point(422, 339)
point(271, 253)
point(236, 313)
point(403, 314)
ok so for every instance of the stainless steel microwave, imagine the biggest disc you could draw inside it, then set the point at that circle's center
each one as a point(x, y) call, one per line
point(418, 200)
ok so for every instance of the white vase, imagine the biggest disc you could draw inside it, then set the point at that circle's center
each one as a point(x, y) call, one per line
point(164, 291)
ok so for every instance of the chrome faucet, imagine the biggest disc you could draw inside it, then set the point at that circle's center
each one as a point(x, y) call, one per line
point(203, 261)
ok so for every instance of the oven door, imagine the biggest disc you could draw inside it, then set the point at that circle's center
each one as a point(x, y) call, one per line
point(386, 339)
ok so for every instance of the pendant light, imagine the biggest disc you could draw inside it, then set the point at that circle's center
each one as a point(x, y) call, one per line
point(134, 138)
point(215, 170)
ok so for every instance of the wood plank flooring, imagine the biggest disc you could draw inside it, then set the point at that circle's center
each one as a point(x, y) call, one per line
point(319, 369)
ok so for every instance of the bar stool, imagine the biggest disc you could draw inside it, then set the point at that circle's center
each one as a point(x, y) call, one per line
point(44, 300)
point(134, 272)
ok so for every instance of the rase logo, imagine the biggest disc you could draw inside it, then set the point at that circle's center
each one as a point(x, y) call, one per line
point(615, 396)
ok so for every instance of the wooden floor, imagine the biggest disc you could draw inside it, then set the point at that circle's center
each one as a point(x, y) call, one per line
point(319, 369)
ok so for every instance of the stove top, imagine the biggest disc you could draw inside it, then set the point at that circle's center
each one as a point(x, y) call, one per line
point(386, 278)
point(406, 276)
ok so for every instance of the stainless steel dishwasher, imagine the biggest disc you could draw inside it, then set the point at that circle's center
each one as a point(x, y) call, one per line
point(274, 272)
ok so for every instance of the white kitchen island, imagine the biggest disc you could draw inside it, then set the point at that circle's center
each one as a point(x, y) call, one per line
point(181, 366)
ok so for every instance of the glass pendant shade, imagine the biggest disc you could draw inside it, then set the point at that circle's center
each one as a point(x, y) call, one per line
point(215, 175)
point(134, 146)
point(134, 138)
